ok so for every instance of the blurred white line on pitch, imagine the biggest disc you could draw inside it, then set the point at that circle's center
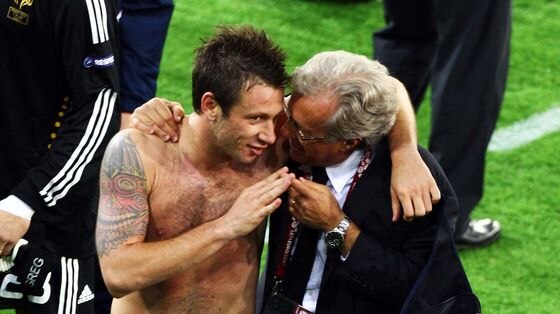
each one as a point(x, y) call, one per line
point(526, 131)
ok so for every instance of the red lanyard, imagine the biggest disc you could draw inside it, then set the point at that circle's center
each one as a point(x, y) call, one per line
point(292, 229)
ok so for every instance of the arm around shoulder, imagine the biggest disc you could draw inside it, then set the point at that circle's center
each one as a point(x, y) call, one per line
point(413, 188)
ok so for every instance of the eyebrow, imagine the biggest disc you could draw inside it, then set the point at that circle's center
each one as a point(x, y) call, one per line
point(304, 130)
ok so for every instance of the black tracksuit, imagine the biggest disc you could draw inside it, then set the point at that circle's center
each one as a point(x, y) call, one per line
point(58, 110)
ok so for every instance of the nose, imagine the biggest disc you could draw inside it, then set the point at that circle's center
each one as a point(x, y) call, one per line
point(268, 135)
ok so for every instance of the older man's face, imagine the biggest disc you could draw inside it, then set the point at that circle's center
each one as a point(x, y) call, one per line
point(305, 131)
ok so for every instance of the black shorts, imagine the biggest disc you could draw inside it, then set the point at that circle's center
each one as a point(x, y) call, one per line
point(68, 289)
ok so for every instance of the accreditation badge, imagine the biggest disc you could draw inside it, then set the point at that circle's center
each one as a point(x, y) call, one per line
point(280, 304)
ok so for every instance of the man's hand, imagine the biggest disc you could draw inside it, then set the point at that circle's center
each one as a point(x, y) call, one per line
point(12, 228)
point(412, 185)
point(413, 189)
point(255, 203)
point(313, 205)
point(160, 117)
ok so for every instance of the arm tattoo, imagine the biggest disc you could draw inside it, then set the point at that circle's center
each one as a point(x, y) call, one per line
point(123, 205)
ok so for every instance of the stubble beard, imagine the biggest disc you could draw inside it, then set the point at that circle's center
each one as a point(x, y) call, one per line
point(233, 147)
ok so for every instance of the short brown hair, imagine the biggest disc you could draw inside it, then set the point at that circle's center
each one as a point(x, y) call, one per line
point(236, 58)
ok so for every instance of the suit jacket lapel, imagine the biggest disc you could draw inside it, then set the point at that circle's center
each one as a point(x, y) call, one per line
point(359, 203)
point(300, 265)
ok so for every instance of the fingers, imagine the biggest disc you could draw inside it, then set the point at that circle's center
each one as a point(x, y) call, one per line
point(295, 204)
point(270, 208)
point(146, 120)
point(6, 249)
point(138, 124)
point(160, 117)
point(12, 228)
point(274, 189)
point(271, 187)
point(395, 206)
point(435, 193)
point(306, 187)
point(164, 123)
point(264, 185)
point(408, 208)
point(271, 178)
point(419, 208)
point(178, 111)
point(277, 174)
point(413, 205)
point(427, 202)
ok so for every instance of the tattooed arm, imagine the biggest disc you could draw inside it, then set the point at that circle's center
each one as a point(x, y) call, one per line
point(130, 264)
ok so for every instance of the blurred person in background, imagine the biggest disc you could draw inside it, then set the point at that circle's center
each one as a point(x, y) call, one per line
point(143, 28)
point(58, 95)
point(461, 49)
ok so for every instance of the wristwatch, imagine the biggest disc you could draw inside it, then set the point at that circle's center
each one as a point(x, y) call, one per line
point(335, 237)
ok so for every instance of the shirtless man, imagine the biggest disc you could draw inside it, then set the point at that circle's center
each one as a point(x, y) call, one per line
point(177, 221)
point(176, 226)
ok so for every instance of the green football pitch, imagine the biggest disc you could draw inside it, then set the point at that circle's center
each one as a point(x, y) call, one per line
point(518, 274)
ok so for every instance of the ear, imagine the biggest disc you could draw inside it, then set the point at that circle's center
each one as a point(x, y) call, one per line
point(348, 146)
point(209, 107)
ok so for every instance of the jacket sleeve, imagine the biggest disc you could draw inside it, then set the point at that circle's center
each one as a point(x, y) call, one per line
point(385, 272)
point(384, 264)
point(84, 38)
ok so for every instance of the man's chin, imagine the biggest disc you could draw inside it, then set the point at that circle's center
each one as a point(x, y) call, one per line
point(248, 158)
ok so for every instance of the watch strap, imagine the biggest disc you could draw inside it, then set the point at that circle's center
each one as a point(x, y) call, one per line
point(344, 224)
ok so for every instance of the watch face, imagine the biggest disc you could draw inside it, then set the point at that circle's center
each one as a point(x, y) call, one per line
point(334, 239)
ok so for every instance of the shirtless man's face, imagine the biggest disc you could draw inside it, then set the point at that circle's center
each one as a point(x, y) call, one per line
point(249, 129)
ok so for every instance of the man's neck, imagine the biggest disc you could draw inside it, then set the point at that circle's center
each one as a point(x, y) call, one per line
point(197, 144)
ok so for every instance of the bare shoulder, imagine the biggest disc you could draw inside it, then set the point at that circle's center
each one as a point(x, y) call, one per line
point(142, 142)
point(123, 207)
point(132, 150)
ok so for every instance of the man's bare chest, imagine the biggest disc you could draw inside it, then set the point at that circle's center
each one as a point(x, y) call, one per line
point(182, 200)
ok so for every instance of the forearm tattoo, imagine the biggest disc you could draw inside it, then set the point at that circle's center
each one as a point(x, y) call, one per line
point(123, 206)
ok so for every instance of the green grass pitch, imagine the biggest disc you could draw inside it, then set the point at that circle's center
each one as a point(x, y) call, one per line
point(519, 274)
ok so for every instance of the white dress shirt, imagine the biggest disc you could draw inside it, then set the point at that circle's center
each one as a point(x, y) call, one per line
point(340, 179)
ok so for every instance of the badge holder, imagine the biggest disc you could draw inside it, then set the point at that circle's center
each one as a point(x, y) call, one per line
point(280, 304)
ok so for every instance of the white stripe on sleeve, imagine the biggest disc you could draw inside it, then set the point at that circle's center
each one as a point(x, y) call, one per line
point(92, 22)
point(72, 171)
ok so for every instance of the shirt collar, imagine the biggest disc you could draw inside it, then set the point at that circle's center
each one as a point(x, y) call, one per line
point(341, 174)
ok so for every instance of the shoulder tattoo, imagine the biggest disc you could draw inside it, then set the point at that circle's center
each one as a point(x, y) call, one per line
point(123, 205)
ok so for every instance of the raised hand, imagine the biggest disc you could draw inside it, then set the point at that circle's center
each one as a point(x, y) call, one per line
point(255, 203)
point(314, 205)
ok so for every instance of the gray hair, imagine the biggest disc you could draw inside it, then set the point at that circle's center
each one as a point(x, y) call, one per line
point(365, 92)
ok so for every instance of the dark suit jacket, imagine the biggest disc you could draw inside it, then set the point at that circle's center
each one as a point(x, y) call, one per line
point(397, 267)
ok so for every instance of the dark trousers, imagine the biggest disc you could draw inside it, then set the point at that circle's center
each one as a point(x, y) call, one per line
point(143, 29)
point(461, 49)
